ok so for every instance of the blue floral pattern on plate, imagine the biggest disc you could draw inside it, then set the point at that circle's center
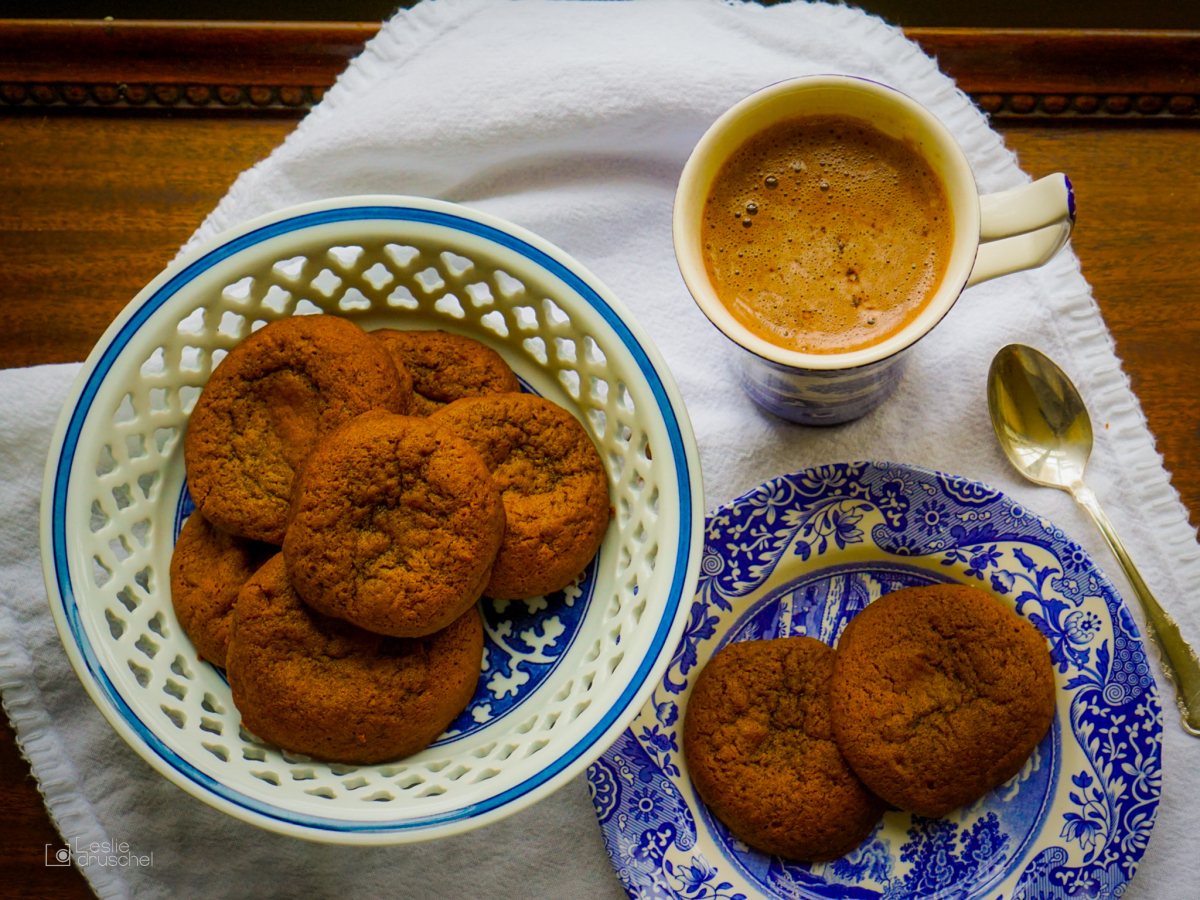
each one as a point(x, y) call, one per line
point(801, 555)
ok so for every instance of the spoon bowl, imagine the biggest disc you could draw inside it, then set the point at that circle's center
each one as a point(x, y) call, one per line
point(1039, 417)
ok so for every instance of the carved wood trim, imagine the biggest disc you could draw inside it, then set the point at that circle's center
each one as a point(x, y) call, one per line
point(272, 68)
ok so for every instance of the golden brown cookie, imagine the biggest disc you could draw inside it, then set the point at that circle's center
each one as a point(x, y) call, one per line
point(394, 526)
point(939, 694)
point(264, 409)
point(760, 752)
point(446, 367)
point(208, 568)
point(319, 686)
point(554, 486)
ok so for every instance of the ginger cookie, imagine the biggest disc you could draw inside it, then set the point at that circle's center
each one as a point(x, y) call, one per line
point(208, 568)
point(554, 487)
point(265, 407)
point(319, 686)
point(761, 754)
point(939, 694)
point(446, 367)
point(394, 526)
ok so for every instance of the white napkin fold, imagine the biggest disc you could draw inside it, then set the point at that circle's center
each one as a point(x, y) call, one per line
point(574, 120)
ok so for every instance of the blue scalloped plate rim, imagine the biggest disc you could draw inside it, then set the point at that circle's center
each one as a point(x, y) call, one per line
point(801, 554)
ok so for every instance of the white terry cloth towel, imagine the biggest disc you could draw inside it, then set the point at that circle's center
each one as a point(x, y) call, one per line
point(574, 120)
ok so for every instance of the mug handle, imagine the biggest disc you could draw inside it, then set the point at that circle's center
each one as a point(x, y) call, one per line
point(1023, 228)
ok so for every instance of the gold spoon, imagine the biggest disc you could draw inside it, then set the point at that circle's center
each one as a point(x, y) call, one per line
point(1046, 433)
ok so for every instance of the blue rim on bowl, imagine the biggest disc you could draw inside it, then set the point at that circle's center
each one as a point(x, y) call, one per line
point(67, 568)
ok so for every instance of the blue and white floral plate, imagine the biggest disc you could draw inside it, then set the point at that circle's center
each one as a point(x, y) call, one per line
point(800, 555)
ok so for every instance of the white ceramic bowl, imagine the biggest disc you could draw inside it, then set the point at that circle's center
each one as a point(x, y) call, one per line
point(562, 675)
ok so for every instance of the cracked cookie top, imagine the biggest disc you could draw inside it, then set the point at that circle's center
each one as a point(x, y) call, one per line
point(446, 367)
point(319, 686)
point(760, 752)
point(208, 568)
point(266, 406)
point(939, 694)
point(394, 525)
point(553, 483)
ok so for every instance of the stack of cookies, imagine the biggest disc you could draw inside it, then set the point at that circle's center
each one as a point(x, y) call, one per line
point(934, 696)
point(356, 495)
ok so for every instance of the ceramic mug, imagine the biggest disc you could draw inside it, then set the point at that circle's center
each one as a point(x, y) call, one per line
point(993, 235)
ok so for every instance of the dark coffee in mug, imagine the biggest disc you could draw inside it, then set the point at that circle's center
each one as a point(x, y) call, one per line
point(825, 235)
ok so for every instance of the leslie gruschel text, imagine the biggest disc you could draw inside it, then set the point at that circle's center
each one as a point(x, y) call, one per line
point(97, 853)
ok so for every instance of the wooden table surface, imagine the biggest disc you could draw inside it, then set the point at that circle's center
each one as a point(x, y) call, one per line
point(95, 204)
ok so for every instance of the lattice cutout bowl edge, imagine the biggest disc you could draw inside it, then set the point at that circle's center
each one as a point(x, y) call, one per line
point(114, 498)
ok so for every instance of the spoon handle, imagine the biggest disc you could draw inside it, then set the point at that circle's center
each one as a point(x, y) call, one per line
point(1178, 659)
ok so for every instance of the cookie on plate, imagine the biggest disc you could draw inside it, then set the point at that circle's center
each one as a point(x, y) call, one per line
point(446, 367)
point(208, 568)
point(265, 407)
point(761, 754)
point(319, 686)
point(554, 486)
point(394, 526)
point(939, 694)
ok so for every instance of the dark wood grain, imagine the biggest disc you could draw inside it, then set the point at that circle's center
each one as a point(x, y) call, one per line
point(235, 68)
point(1138, 241)
point(93, 206)
point(1017, 60)
point(1010, 59)
point(90, 51)
point(91, 210)
point(25, 830)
